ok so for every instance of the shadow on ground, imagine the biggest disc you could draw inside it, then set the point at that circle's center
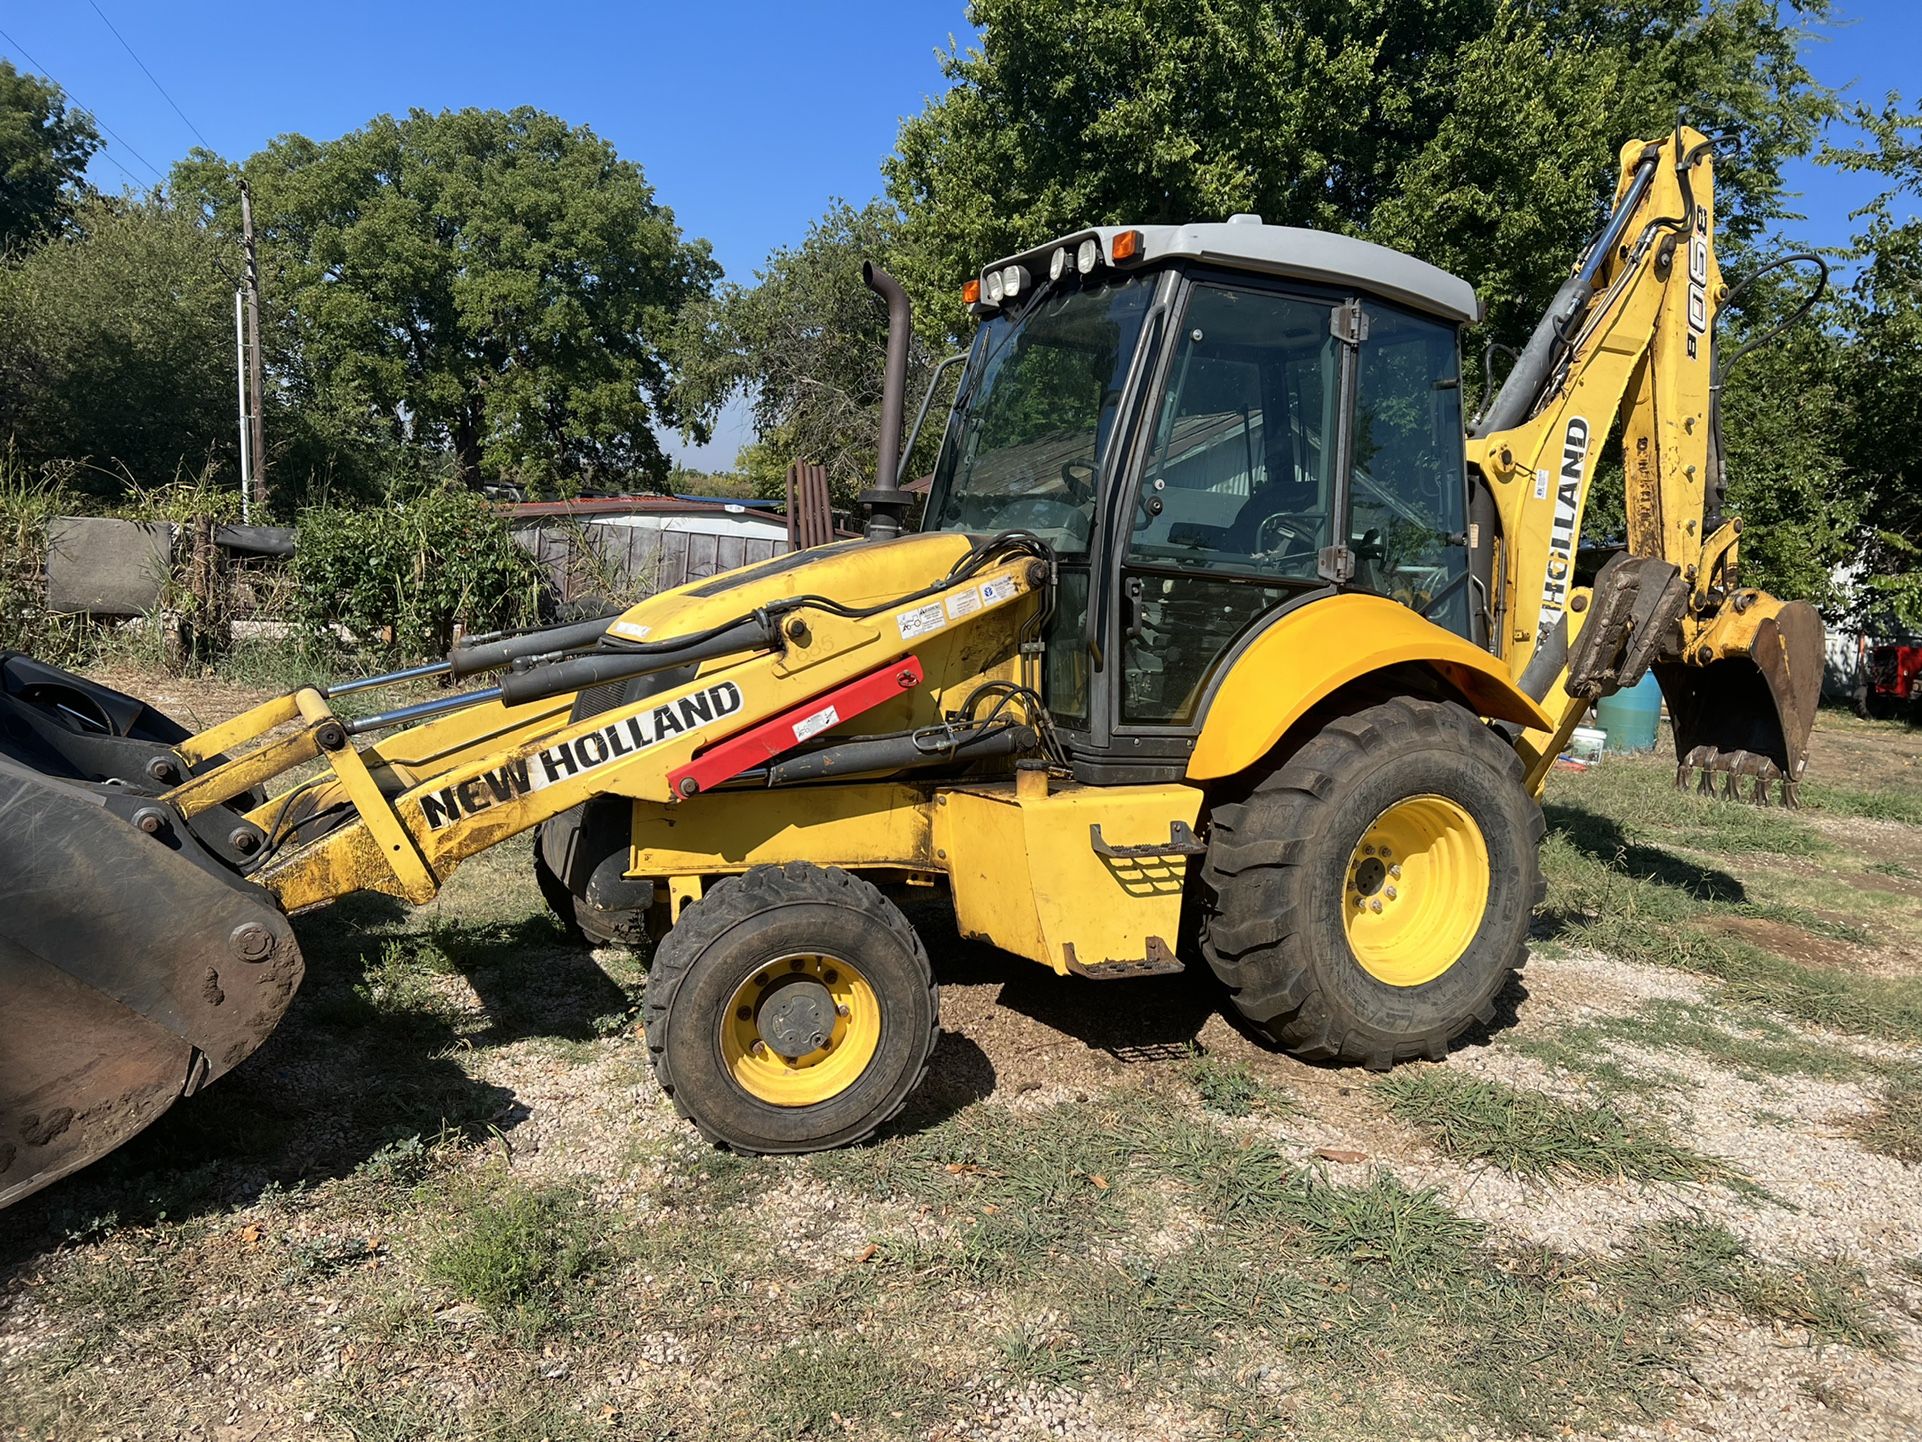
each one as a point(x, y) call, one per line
point(353, 1068)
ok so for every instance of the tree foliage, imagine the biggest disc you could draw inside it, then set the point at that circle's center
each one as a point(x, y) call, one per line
point(119, 348)
point(808, 343)
point(1479, 134)
point(1882, 310)
point(496, 288)
point(400, 577)
point(44, 149)
point(1475, 133)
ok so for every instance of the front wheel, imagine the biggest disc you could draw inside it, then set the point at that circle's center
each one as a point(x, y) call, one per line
point(792, 1009)
point(1367, 900)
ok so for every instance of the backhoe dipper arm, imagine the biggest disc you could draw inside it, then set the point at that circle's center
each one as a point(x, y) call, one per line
point(1631, 338)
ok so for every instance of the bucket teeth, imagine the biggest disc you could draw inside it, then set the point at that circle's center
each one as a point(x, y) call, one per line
point(1733, 767)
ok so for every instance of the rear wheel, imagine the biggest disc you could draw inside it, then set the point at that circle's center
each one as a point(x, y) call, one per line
point(792, 1009)
point(1367, 900)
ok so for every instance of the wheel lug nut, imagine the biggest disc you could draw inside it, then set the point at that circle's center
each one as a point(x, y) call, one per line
point(843, 1009)
point(1375, 905)
point(1395, 871)
point(1389, 892)
point(759, 1048)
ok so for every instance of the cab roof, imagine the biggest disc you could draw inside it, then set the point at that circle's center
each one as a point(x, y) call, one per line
point(1246, 243)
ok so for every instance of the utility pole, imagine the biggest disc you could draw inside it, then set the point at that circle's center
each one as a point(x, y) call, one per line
point(256, 425)
point(240, 389)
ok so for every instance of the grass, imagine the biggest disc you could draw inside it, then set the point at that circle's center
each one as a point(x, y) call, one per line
point(1533, 1135)
point(1259, 1265)
point(1884, 805)
point(817, 1387)
point(1745, 1041)
point(1697, 1264)
point(1635, 799)
point(1227, 1088)
point(1894, 1127)
point(521, 1253)
point(1639, 904)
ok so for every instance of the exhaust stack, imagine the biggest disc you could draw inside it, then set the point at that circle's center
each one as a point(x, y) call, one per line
point(887, 503)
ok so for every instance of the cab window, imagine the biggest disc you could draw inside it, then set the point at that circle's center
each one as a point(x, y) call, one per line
point(1410, 486)
point(1237, 493)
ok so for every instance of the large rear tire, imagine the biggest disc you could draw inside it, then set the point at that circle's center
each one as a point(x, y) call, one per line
point(1367, 900)
point(792, 1009)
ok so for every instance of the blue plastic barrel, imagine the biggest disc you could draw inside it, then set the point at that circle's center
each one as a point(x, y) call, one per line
point(1631, 715)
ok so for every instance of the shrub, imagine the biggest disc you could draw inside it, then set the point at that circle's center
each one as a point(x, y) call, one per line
point(401, 577)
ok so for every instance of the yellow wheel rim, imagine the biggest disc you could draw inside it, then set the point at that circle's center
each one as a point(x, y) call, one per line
point(800, 1030)
point(1415, 891)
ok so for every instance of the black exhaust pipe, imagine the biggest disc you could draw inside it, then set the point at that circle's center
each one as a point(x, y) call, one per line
point(886, 504)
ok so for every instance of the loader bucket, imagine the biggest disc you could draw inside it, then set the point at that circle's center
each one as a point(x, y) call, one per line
point(135, 966)
point(1746, 714)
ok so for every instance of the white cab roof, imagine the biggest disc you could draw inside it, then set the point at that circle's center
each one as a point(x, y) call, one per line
point(1319, 256)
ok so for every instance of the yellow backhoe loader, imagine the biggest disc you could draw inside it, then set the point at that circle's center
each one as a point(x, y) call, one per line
point(1224, 640)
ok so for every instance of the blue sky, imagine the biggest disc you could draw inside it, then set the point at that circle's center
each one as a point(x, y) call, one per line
point(747, 117)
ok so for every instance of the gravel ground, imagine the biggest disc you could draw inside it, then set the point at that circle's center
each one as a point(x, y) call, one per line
point(289, 1296)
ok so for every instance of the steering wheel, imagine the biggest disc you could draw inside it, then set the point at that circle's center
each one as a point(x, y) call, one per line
point(1279, 537)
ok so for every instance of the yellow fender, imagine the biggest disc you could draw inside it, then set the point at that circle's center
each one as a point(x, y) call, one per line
point(1309, 653)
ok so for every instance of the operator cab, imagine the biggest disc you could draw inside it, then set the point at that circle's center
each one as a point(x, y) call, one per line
point(1210, 424)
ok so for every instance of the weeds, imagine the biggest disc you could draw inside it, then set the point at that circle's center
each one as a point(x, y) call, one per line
point(1534, 1135)
point(1694, 1264)
point(814, 1387)
point(520, 1252)
point(1226, 1087)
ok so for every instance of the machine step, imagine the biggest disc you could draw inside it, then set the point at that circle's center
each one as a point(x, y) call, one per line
point(1160, 961)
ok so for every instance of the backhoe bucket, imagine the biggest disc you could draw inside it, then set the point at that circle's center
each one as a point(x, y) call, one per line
point(1746, 713)
point(135, 966)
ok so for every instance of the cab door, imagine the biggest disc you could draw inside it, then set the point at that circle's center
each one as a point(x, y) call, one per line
point(1239, 489)
point(1302, 442)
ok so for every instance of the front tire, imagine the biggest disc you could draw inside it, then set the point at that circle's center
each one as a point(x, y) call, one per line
point(1367, 900)
point(792, 1009)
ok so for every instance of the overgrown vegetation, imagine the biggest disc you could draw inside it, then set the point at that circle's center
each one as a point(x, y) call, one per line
point(402, 577)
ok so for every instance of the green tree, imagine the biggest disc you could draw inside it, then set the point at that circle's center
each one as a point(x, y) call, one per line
point(44, 149)
point(1882, 309)
point(808, 345)
point(119, 347)
point(496, 288)
point(1477, 133)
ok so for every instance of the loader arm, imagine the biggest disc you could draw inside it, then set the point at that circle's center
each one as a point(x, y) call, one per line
point(1629, 341)
point(409, 809)
point(154, 870)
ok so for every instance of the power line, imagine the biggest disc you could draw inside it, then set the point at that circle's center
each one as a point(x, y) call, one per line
point(150, 75)
point(94, 115)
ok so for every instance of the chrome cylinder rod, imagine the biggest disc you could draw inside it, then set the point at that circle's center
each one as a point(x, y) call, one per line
point(389, 678)
point(421, 710)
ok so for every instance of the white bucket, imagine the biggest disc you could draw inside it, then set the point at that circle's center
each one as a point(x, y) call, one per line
point(1585, 745)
